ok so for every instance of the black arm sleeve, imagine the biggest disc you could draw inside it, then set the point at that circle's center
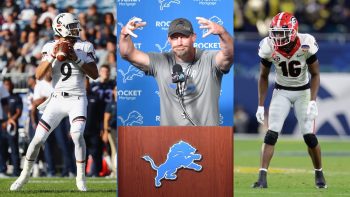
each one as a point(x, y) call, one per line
point(311, 59)
point(4, 101)
point(265, 62)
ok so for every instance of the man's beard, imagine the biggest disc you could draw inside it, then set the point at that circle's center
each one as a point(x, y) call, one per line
point(181, 53)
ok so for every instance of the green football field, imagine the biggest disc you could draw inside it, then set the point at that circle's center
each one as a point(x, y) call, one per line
point(38, 187)
point(291, 171)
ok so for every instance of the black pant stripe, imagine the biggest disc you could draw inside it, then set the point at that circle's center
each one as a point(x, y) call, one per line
point(45, 124)
point(79, 118)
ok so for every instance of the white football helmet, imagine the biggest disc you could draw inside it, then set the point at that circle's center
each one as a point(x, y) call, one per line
point(66, 25)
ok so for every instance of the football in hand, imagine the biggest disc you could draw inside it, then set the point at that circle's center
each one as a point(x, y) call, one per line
point(62, 50)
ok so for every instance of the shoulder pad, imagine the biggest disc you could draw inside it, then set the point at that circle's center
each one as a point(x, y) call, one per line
point(308, 43)
point(87, 46)
point(47, 47)
point(265, 48)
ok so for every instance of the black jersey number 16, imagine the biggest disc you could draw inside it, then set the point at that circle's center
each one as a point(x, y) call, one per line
point(291, 70)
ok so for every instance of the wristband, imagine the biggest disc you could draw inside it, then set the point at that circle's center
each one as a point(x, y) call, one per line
point(51, 59)
point(79, 62)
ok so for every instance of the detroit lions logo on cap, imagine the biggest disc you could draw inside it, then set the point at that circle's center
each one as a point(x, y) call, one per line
point(180, 155)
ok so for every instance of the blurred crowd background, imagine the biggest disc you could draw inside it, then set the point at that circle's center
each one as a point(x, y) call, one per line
point(329, 22)
point(314, 16)
point(25, 28)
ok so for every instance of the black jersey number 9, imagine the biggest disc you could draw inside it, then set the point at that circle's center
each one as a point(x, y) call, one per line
point(291, 70)
point(66, 71)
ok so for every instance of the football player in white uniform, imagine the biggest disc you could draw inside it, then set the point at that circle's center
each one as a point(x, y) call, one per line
point(294, 55)
point(68, 98)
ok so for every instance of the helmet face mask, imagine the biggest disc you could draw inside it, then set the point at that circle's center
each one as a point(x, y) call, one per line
point(74, 29)
point(66, 25)
point(281, 36)
point(283, 29)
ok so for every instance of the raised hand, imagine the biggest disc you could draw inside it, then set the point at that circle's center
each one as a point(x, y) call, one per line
point(134, 23)
point(213, 28)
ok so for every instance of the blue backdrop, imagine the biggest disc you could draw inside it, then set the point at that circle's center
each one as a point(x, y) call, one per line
point(138, 98)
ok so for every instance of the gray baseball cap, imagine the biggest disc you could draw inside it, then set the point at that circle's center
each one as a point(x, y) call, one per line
point(180, 25)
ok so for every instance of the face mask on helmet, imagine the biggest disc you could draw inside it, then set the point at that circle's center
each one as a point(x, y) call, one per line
point(66, 25)
point(74, 29)
point(283, 29)
point(281, 36)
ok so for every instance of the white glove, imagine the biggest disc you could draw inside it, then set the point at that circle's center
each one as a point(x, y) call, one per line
point(260, 114)
point(312, 111)
point(134, 23)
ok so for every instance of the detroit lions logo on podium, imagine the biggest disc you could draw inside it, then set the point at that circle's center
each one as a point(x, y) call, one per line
point(180, 155)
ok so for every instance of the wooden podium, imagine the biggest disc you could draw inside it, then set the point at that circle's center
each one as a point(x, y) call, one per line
point(136, 178)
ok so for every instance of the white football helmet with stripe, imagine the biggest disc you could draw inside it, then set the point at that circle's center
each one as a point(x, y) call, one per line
point(66, 25)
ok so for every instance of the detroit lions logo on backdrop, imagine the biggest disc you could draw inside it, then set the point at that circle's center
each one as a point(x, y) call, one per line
point(157, 93)
point(180, 155)
point(166, 3)
point(134, 117)
point(221, 119)
point(121, 25)
point(216, 20)
point(131, 73)
point(165, 48)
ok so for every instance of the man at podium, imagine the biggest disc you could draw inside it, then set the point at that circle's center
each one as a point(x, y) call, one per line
point(188, 78)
